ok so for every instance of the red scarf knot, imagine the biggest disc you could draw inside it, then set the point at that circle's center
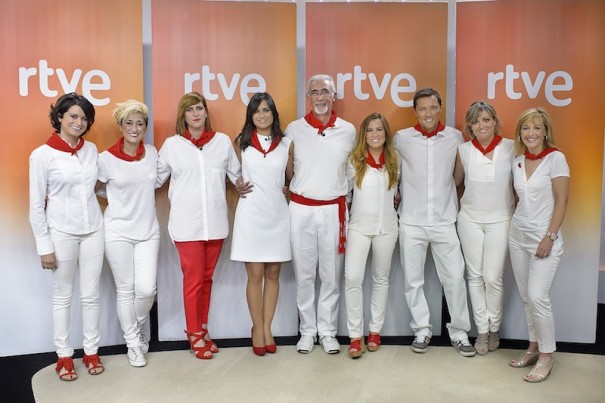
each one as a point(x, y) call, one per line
point(202, 140)
point(372, 162)
point(316, 123)
point(543, 154)
point(55, 141)
point(490, 147)
point(256, 144)
point(440, 127)
point(342, 210)
point(117, 150)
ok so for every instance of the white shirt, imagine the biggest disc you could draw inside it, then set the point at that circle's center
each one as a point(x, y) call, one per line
point(320, 162)
point(131, 188)
point(428, 191)
point(62, 193)
point(536, 198)
point(488, 184)
point(372, 207)
point(198, 205)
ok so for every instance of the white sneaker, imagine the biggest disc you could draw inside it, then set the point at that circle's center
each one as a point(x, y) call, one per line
point(330, 344)
point(305, 344)
point(143, 343)
point(136, 358)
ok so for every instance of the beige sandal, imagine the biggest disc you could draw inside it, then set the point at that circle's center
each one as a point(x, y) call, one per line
point(526, 359)
point(481, 344)
point(535, 375)
point(493, 341)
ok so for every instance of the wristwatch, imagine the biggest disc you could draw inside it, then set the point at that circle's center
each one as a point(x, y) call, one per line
point(552, 235)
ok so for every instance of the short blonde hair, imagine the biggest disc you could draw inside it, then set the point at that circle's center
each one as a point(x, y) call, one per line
point(534, 115)
point(473, 112)
point(124, 109)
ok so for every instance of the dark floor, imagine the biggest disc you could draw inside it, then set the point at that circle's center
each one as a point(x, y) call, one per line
point(16, 372)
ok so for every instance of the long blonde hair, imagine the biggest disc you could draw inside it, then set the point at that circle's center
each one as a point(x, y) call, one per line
point(360, 152)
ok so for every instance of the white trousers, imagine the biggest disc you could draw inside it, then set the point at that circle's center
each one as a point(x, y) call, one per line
point(86, 253)
point(534, 277)
point(314, 239)
point(134, 266)
point(445, 246)
point(485, 248)
point(358, 246)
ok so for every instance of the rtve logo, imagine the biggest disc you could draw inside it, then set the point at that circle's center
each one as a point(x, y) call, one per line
point(93, 80)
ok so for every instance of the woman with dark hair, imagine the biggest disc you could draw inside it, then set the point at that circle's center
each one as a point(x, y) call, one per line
point(68, 226)
point(198, 159)
point(261, 232)
point(486, 207)
point(541, 180)
point(374, 169)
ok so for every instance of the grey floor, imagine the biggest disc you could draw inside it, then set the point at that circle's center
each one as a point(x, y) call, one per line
point(393, 374)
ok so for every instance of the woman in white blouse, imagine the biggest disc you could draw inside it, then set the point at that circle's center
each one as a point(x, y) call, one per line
point(541, 180)
point(68, 226)
point(486, 208)
point(132, 234)
point(374, 170)
point(198, 160)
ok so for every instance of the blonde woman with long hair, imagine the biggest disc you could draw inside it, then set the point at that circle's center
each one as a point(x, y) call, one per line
point(374, 171)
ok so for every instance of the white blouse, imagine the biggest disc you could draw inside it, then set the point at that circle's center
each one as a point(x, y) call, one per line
point(131, 186)
point(536, 200)
point(197, 192)
point(488, 188)
point(62, 193)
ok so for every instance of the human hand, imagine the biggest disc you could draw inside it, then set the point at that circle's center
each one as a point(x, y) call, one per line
point(48, 261)
point(242, 188)
point(397, 200)
point(544, 247)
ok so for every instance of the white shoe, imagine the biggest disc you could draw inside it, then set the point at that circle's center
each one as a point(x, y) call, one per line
point(330, 344)
point(305, 344)
point(143, 343)
point(136, 358)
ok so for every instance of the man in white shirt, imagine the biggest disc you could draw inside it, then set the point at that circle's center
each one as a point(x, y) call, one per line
point(322, 144)
point(427, 214)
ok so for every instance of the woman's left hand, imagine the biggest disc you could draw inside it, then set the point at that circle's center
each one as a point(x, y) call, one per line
point(544, 247)
point(242, 187)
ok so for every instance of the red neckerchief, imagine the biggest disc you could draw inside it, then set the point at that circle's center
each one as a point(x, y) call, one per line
point(440, 126)
point(490, 147)
point(117, 150)
point(543, 154)
point(55, 141)
point(313, 121)
point(202, 140)
point(256, 144)
point(371, 162)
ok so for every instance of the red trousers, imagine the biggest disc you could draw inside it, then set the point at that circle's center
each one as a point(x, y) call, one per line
point(198, 260)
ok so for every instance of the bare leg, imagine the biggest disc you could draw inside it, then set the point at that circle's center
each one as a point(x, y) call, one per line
point(254, 296)
point(270, 294)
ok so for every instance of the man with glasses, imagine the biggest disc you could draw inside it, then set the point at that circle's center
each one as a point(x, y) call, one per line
point(428, 211)
point(322, 144)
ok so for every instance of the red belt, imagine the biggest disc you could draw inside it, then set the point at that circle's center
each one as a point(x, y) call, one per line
point(342, 208)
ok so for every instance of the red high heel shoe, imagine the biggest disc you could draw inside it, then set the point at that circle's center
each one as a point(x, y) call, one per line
point(213, 346)
point(373, 338)
point(260, 351)
point(203, 352)
point(271, 348)
point(66, 363)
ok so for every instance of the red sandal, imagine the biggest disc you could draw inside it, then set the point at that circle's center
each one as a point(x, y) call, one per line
point(374, 338)
point(203, 352)
point(213, 346)
point(357, 348)
point(93, 364)
point(66, 363)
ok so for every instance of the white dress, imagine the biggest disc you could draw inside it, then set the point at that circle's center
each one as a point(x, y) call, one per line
point(261, 232)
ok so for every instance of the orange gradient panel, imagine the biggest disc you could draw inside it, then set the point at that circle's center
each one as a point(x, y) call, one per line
point(519, 54)
point(226, 51)
point(380, 54)
point(91, 47)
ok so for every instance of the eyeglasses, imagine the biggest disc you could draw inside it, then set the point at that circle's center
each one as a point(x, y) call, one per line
point(323, 93)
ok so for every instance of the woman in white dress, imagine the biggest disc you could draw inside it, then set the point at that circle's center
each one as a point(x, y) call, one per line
point(486, 207)
point(132, 234)
point(261, 232)
point(68, 226)
point(541, 180)
point(374, 169)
